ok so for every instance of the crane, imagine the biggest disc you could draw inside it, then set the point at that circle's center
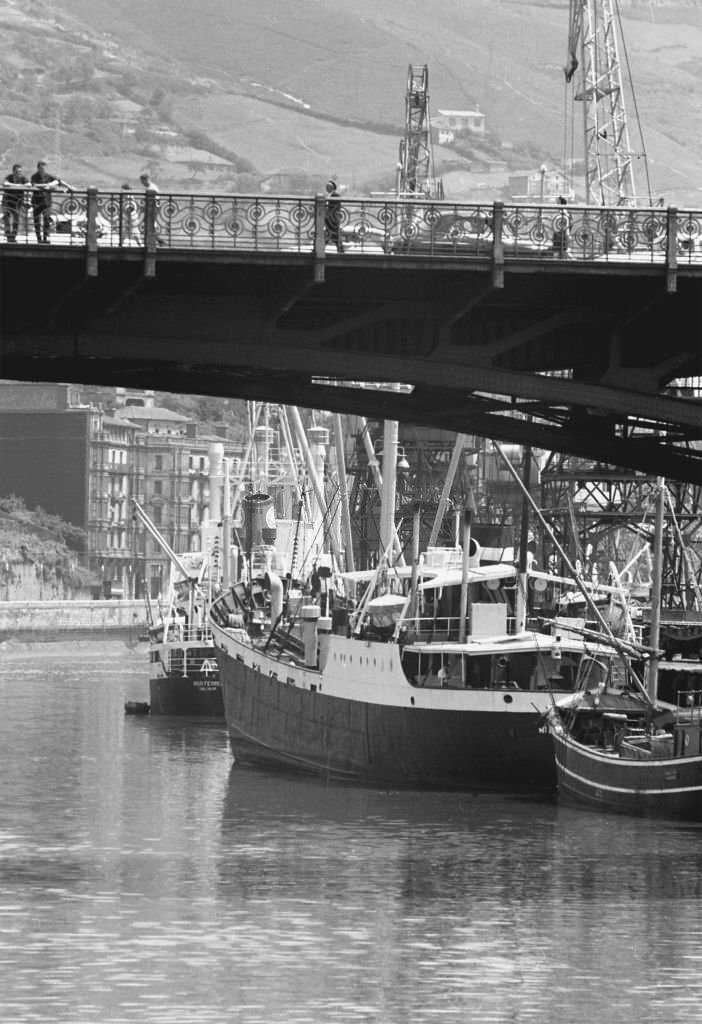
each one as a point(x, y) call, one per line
point(416, 162)
point(594, 69)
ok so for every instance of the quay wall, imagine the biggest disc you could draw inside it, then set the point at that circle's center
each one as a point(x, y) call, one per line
point(49, 617)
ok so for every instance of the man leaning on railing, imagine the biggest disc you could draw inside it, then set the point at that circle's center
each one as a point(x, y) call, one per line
point(13, 198)
point(42, 184)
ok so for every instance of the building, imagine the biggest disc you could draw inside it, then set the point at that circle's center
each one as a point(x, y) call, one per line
point(542, 185)
point(86, 464)
point(453, 126)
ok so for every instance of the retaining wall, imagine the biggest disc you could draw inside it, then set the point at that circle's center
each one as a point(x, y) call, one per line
point(70, 616)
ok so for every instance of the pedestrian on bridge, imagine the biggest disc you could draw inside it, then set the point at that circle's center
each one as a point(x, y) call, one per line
point(562, 224)
point(332, 218)
point(13, 195)
point(150, 189)
point(129, 220)
point(42, 183)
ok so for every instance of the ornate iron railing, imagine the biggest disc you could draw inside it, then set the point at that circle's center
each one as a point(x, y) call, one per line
point(386, 226)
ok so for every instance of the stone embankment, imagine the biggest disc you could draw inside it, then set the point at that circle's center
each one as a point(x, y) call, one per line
point(45, 618)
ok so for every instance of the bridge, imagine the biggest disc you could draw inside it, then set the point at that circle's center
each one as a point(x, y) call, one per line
point(566, 328)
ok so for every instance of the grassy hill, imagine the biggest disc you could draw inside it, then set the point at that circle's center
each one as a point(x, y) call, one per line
point(268, 94)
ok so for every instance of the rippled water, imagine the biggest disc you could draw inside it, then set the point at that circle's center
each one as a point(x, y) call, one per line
point(143, 878)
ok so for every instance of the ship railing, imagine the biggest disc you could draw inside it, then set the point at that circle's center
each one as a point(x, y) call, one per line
point(445, 628)
point(691, 701)
point(182, 634)
point(414, 226)
point(180, 661)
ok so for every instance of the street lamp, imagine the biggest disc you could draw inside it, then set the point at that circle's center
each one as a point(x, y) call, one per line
point(542, 170)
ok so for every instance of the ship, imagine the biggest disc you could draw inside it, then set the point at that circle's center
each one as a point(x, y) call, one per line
point(184, 675)
point(433, 676)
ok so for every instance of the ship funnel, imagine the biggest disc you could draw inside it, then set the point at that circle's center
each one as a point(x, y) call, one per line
point(259, 521)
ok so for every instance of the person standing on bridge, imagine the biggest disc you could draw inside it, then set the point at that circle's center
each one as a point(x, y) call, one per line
point(13, 201)
point(150, 189)
point(562, 224)
point(332, 217)
point(129, 220)
point(42, 183)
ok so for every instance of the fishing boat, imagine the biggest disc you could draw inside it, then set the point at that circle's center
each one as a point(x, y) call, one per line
point(616, 751)
point(619, 747)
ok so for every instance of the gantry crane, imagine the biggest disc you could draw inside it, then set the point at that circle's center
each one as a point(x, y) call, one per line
point(594, 69)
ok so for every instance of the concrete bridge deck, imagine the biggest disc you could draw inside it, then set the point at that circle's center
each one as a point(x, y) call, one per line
point(561, 328)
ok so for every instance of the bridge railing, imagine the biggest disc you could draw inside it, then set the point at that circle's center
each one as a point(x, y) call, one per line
point(387, 226)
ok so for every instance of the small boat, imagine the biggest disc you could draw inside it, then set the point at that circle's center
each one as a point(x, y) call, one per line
point(184, 677)
point(616, 751)
point(618, 746)
point(136, 707)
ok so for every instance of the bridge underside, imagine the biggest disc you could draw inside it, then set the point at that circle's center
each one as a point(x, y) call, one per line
point(565, 359)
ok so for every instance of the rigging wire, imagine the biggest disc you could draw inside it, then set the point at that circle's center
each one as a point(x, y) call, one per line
point(567, 169)
point(634, 100)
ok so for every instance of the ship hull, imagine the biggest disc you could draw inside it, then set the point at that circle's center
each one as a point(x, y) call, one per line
point(186, 695)
point(275, 724)
point(185, 678)
point(663, 788)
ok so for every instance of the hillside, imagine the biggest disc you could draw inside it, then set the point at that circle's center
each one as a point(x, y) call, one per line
point(39, 544)
point(267, 95)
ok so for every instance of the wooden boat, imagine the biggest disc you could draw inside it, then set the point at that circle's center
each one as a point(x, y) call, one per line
point(616, 751)
point(621, 748)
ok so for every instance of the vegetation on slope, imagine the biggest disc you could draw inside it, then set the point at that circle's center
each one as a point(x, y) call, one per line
point(34, 536)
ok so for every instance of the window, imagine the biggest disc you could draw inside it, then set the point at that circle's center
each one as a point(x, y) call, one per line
point(158, 462)
point(158, 486)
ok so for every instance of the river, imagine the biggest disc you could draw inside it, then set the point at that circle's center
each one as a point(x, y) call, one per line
point(145, 878)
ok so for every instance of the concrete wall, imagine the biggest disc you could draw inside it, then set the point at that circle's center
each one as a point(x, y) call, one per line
point(66, 616)
point(32, 582)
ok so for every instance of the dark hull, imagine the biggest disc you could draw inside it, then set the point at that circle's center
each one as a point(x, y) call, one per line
point(186, 695)
point(665, 788)
point(278, 725)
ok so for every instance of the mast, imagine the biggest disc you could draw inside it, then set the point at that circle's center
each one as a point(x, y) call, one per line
point(460, 444)
point(656, 591)
point(389, 486)
point(521, 609)
point(343, 491)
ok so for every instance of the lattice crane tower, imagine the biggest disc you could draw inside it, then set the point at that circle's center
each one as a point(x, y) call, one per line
point(416, 158)
point(595, 69)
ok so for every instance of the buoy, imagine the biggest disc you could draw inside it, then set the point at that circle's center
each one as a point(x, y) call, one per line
point(136, 707)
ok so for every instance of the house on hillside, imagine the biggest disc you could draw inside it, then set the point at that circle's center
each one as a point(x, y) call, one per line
point(126, 115)
point(452, 126)
point(544, 184)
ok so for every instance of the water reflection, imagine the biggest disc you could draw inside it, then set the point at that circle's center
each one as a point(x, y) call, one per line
point(143, 878)
point(459, 903)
